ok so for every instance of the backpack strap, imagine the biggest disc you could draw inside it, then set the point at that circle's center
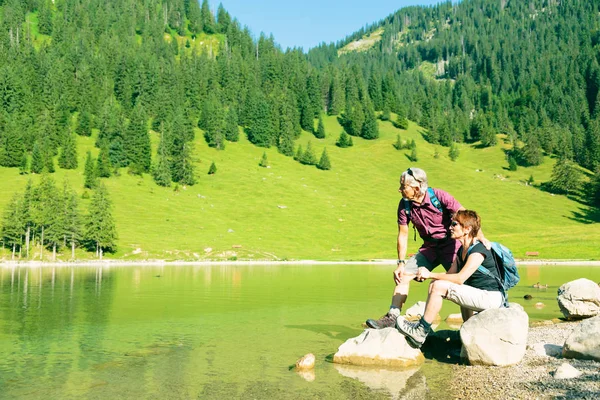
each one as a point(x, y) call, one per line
point(487, 272)
point(434, 200)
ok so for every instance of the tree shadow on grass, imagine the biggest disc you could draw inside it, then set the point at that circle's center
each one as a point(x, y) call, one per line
point(586, 215)
point(331, 331)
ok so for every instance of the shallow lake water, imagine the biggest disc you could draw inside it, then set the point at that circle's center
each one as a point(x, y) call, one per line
point(179, 332)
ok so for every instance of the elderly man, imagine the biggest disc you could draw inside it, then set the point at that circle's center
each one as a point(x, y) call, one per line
point(430, 211)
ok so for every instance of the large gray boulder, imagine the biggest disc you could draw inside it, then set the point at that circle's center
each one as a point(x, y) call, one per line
point(496, 336)
point(380, 347)
point(579, 299)
point(584, 341)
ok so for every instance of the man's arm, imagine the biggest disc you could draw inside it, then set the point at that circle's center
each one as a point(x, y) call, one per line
point(402, 247)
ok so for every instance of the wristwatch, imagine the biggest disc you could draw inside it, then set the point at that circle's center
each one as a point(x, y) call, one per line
point(401, 261)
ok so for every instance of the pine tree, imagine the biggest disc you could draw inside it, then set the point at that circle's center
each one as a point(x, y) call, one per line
point(137, 142)
point(320, 132)
point(68, 153)
point(182, 167)
point(11, 145)
point(100, 233)
point(263, 161)
point(299, 153)
point(71, 217)
point(103, 167)
point(566, 177)
point(214, 123)
point(208, 20)
point(413, 155)
point(212, 169)
point(84, 124)
point(12, 227)
point(161, 171)
point(324, 163)
point(370, 129)
point(49, 163)
point(512, 163)
point(398, 144)
point(401, 120)
point(89, 172)
point(344, 140)
point(45, 212)
point(24, 166)
point(37, 159)
point(386, 114)
point(454, 152)
point(595, 188)
point(232, 132)
point(308, 157)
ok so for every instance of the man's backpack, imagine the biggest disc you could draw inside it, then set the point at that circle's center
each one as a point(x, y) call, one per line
point(507, 268)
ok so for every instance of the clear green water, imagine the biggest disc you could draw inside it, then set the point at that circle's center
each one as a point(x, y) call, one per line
point(211, 332)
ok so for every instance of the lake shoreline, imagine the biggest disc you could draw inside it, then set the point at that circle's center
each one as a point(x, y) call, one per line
point(160, 263)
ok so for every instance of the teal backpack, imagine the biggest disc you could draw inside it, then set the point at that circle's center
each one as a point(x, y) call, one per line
point(507, 268)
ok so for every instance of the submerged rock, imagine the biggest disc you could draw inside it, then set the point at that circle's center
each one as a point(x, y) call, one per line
point(584, 341)
point(378, 347)
point(579, 299)
point(495, 336)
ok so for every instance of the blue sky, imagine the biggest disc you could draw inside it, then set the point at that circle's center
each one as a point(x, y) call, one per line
point(306, 23)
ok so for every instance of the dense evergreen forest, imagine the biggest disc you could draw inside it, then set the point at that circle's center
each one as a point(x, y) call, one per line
point(126, 68)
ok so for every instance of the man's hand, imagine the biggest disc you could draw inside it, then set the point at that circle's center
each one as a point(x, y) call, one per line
point(398, 272)
point(423, 273)
point(486, 243)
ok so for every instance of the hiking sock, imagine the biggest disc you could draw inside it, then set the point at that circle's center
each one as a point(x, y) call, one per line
point(395, 311)
point(425, 325)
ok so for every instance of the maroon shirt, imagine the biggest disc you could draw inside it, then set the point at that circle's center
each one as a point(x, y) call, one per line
point(432, 224)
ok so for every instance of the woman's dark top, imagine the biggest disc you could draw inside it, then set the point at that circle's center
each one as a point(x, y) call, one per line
point(480, 280)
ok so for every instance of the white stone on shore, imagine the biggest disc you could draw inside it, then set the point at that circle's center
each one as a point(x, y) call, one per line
point(566, 371)
point(584, 341)
point(495, 336)
point(546, 349)
point(579, 299)
point(378, 347)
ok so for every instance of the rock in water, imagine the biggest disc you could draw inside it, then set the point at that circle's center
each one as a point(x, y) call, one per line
point(305, 363)
point(496, 336)
point(380, 347)
point(579, 299)
point(584, 341)
point(566, 371)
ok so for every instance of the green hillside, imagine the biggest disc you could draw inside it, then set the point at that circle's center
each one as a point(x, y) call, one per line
point(290, 211)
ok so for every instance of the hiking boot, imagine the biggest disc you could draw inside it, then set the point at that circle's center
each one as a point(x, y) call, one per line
point(414, 332)
point(387, 321)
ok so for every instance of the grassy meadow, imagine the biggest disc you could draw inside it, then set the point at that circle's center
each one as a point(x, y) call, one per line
point(291, 211)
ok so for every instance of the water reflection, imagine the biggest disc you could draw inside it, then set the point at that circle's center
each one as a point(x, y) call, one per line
point(400, 384)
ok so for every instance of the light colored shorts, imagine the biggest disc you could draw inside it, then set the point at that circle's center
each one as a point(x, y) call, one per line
point(474, 299)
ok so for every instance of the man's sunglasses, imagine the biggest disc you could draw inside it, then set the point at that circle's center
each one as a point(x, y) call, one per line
point(410, 172)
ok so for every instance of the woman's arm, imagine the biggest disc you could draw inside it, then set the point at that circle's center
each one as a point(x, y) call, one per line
point(473, 262)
